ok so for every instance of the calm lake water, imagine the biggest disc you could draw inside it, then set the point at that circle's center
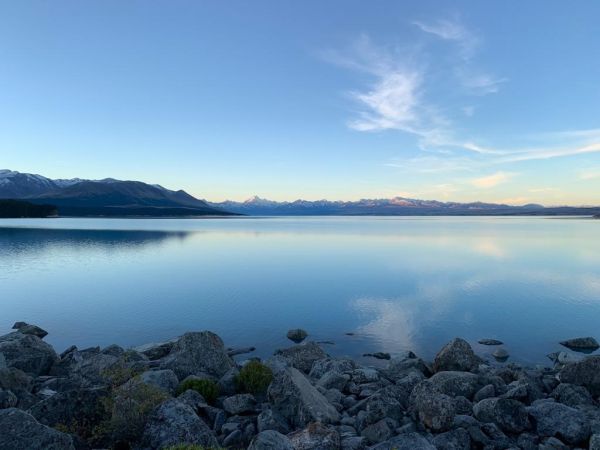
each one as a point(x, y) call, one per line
point(396, 283)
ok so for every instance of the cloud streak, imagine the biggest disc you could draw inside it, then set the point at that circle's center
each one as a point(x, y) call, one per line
point(492, 180)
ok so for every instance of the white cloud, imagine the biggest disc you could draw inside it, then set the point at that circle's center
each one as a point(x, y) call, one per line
point(493, 180)
point(452, 30)
point(590, 174)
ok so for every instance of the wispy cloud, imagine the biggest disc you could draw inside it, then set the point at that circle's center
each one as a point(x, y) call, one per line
point(493, 180)
point(590, 174)
point(452, 30)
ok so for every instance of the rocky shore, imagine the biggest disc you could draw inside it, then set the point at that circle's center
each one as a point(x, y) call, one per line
point(190, 394)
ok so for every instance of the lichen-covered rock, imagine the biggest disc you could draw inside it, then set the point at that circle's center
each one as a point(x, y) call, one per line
point(156, 351)
point(272, 420)
point(456, 355)
point(333, 380)
point(292, 396)
point(339, 365)
point(378, 432)
point(433, 409)
point(455, 383)
point(302, 356)
point(34, 330)
point(20, 431)
point(561, 421)
point(198, 352)
point(510, 415)
point(165, 380)
point(174, 422)
point(583, 373)
point(572, 395)
point(458, 439)
point(239, 404)
point(18, 383)
point(407, 441)
point(76, 406)
point(270, 440)
point(28, 353)
point(315, 436)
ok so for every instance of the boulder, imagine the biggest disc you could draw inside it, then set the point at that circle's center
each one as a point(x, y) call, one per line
point(407, 441)
point(557, 420)
point(582, 344)
point(583, 373)
point(18, 383)
point(28, 353)
point(399, 367)
point(333, 380)
point(433, 409)
point(510, 415)
point(315, 436)
point(292, 396)
point(322, 366)
point(458, 439)
point(239, 404)
point(270, 440)
point(272, 420)
point(302, 356)
point(174, 422)
point(156, 351)
point(500, 354)
point(488, 391)
point(165, 380)
point(572, 395)
point(595, 442)
point(297, 335)
point(77, 406)
point(198, 352)
point(456, 355)
point(227, 384)
point(378, 432)
point(455, 383)
point(20, 431)
point(34, 330)
point(7, 399)
point(389, 402)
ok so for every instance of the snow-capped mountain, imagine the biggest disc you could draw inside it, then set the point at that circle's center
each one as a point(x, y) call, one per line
point(87, 197)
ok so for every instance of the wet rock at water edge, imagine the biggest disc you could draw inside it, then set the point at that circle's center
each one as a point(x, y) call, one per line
point(378, 355)
point(490, 342)
point(501, 355)
point(26, 328)
point(297, 335)
point(302, 356)
point(582, 344)
point(456, 355)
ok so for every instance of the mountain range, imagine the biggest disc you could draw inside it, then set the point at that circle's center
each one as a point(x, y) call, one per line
point(110, 197)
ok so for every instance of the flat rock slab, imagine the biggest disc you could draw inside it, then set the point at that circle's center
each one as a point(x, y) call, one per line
point(490, 342)
point(582, 344)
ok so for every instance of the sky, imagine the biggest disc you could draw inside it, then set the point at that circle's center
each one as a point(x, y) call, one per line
point(456, 101)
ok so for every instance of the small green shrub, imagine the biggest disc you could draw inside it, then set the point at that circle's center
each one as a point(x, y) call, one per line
point(207, 388)
point(254, 378)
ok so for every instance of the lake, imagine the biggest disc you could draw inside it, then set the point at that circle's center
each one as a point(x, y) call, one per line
point(396, 283)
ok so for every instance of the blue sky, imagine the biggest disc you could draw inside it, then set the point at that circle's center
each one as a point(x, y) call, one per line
point(463, 100)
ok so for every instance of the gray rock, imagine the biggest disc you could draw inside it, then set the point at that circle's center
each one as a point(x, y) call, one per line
point(174, 422)
point(165, 380)
point(488, 391)
point(113, 350)
point(407, 441)
point(458, 439)
point(315, 436)
point(233, 439)
point(509, 415)
point(389, 402)
point(400, 367)
point(76, 406)
point(552, 443)
point(20, 384)
point(297, 335)
point(379, 355)
point(7, 399)
point(272, 420)
point(378, 432)
point(455, 383)
point(156, 351)
point(322, 366)
point(433, 409)
point(193, 399)
point(292, 396)
point(270, 440)
point(333, 379)
point(199, 352)
point(572, 395)
point(3, 364)
point(595, 442)
point(490, 342)
point(583, 373)
point(353, 443)
point(20, 431)
point(500, 354)
point(456, 355)
point(558, 420)
point(582, 344)
point(28, 353)
point(227, 384)
point(463, 405)
point(302, 356)
point(34, 330)
point(240, 404)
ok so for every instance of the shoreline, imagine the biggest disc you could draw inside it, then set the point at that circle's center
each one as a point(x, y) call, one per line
point(190, 390)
